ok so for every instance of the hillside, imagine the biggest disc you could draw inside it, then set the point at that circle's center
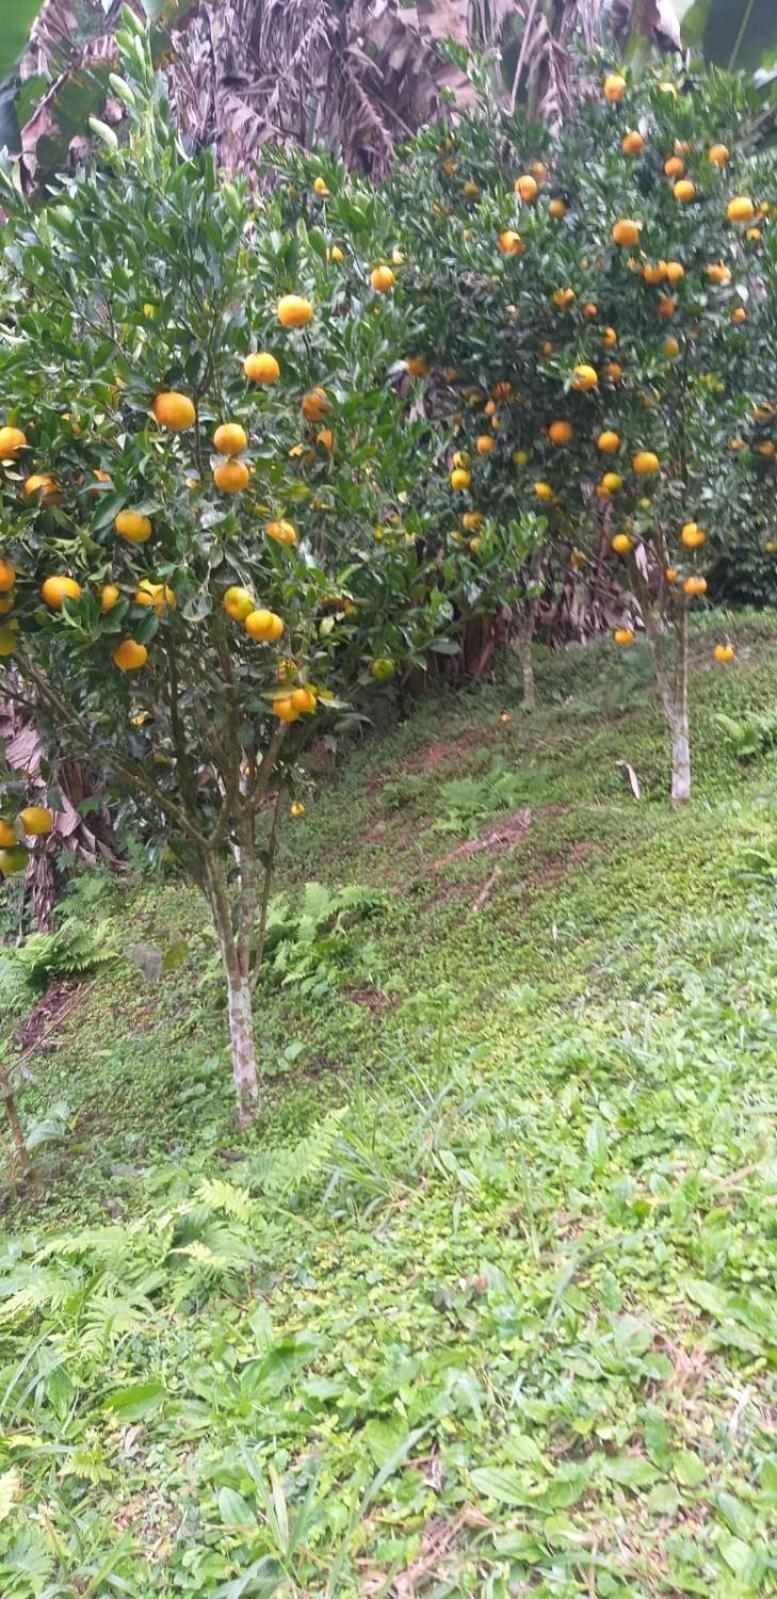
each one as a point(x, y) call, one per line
point(484, 1305)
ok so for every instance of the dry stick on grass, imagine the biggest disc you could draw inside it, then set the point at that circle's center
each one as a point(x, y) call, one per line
point(487, 889)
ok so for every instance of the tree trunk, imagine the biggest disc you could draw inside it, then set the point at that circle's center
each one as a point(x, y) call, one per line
point(527, 668)
point(681, 758)
point(673, 694)
point(241, 1038)
point(239, 999)
point(679, 727)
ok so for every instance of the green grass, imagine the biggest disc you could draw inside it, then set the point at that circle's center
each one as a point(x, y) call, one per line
point(485, 1304)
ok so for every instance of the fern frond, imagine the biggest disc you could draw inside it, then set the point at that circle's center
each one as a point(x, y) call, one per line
point(285, 1171)
point(218, 1195)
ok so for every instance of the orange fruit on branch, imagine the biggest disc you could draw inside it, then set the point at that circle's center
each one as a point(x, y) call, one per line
point(626, 232)
point(294, 311)
point(282, 531)
point(284, 710)
point(632, 142)
point(724, 653)
point(527, 187)
point(13, 860)
point(740, 209)
point(261, 367)
point(645, 463)
point(230, 438)
point(36, 820)
point(156, 594)
point(174, 411)
point(621, 544)
point(608, 441)
point(614, 88)
point(264, 626)
point(12, 440)
point(718, 154)
point(238, 603)
point(42, 484)
point(304, 700)
point(560, 432)
point(623, 636)
point(231, 477)
point(584, 377)
point(315, 404)
point(7, 576)
point(133, 526)
point(382, 279)
point(55, 590)
point(130, 656)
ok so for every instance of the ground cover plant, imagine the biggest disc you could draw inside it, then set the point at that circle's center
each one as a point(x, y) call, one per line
point(486, 1305)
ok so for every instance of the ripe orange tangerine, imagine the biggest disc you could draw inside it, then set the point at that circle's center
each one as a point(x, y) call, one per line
point(55, 590)
point(230, 438)
point(294, 311)
point(261, 367)
point(231, 476)
point(12, 440)
point(130, 656)
point(174, 411)
point(133, 526)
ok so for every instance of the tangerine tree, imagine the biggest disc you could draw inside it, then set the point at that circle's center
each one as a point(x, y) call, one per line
point(601, 306)
point(201, 435)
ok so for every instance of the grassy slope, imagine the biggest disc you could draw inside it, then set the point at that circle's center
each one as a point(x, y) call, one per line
point(508, 1324)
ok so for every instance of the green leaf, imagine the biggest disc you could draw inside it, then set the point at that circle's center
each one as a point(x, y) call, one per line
point(234, 1510)
point(632, 1471)
point(135, 1403)
point(688, 1468)
point(747, 1562)
point(498, 1482)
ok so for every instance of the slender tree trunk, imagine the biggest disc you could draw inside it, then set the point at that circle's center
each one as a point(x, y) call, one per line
point(679, 726)
point(239, 997)
point(525, 631)
point(527, 669)
point(681, 761)
point(673, 694)
point(241, 1038)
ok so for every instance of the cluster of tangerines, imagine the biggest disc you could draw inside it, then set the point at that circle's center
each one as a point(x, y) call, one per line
point(625, 233)
point(33, 821)
point(177, 413)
